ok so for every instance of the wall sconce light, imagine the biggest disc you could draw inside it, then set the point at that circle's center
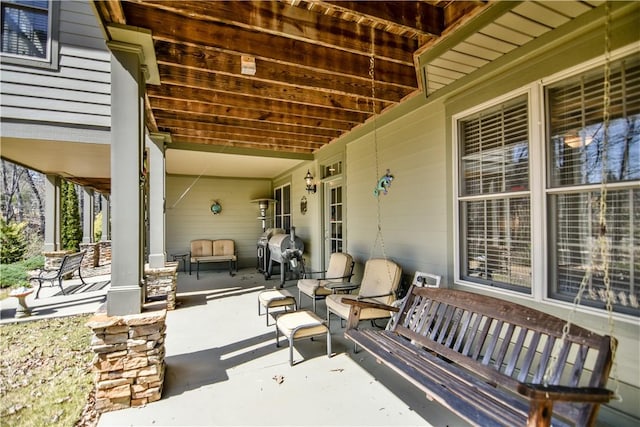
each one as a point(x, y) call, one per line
point(308, 179)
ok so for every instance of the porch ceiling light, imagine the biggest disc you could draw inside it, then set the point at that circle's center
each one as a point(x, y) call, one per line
point(308, 179)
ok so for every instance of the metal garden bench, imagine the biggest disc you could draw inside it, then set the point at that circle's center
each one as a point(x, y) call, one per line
point(69, 265)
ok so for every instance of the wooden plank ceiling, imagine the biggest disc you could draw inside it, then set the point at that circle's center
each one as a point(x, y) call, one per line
point(313, 81)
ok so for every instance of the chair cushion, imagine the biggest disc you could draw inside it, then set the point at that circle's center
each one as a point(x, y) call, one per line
point(276, 298)
point(339, 266)
point(380, 277)
point(309, 323)
point(202, 247)
point(308, 286)
point(223, 247)
point(213, 258)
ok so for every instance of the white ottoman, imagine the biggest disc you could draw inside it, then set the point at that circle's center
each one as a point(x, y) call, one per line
point(271, 298)
point(301, 324)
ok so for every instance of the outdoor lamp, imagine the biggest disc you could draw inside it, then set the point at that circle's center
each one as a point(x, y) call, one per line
point(308, 179)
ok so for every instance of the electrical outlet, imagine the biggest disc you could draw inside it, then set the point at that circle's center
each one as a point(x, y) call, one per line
point(418, 278)
point(426, 279)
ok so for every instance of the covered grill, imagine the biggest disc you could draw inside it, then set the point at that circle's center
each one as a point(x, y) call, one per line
point(263, 249)
point(287, 250)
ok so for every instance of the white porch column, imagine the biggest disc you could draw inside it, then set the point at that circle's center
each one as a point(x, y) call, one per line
point(106, 218)
point(127, 132)
point(157, 251)
point(87, 215)
point(51, 213)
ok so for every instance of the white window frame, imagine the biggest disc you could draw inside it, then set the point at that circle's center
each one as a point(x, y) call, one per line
point(281, 215)
point(51, 61)
point(537, 185)
point(534, 135)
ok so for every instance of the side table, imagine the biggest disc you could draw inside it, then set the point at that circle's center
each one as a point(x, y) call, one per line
point(341, 287)
point(181, 256)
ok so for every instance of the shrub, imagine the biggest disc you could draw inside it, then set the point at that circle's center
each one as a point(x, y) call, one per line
point(97, 227)
point(13, 243)
point(16, 274)
point(71, 228)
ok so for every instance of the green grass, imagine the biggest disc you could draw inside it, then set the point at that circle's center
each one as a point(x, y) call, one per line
point(45, 376)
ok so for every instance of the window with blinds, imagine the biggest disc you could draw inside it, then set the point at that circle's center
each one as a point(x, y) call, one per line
point(25, 28)
point(493, 196)
point(580, 158)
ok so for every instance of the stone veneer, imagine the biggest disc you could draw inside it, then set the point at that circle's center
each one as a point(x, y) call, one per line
point(91, 257)
point(162, 281)
point(129, 362)
point(105, 252)
point(53, 259)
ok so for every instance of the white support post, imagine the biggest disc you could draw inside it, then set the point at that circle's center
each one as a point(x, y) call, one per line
point(157, 252)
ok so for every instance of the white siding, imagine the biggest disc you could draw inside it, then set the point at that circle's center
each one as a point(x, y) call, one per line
point(76, 93)
point(189, 216)
point(414, 212)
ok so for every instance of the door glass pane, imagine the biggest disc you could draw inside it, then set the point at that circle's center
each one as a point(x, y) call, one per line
point(335, 218)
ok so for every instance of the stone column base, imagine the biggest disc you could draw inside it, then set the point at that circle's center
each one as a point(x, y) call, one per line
point(91, 257)
point(129, 362)
point(162, 281)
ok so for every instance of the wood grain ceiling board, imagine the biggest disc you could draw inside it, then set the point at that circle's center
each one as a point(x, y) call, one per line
point(313, 80)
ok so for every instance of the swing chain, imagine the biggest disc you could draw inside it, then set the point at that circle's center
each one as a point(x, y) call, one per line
point(379, 236)
point(601, 246)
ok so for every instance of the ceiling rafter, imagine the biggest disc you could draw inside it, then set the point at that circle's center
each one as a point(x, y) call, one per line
point(312, 82)
point(410, 16)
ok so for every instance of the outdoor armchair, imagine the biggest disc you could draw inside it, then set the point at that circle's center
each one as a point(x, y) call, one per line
point(340, 269)
point(380, 282)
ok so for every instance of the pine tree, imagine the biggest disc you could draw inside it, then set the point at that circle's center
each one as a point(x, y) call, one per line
point(71, 228)
point(13, 244)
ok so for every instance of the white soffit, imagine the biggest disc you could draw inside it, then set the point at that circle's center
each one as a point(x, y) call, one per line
point(186, 162)
point(516, 27)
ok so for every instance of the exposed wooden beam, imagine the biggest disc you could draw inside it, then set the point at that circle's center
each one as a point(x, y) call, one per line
point(240, 137)
point(110, 11)
point(219, 82)
point(192, 107)
point(414, 15)
point(172, 91)
point(267, 46)
point(302, 148)
point(174, 125)
point(282, 19)
point(216, 60)
point(235, 122)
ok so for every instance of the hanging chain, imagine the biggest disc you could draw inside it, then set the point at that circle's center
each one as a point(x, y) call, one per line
point(602, 221)
point(602, 248)
point(372, 75)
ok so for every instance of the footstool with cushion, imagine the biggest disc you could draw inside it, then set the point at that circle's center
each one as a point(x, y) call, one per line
point(272, 298)
point(301, 324)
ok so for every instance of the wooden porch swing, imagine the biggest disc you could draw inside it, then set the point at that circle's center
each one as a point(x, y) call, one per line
point(494, 362)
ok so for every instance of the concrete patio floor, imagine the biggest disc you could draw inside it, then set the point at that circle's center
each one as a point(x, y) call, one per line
point(51, 304)
point(223, 368)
